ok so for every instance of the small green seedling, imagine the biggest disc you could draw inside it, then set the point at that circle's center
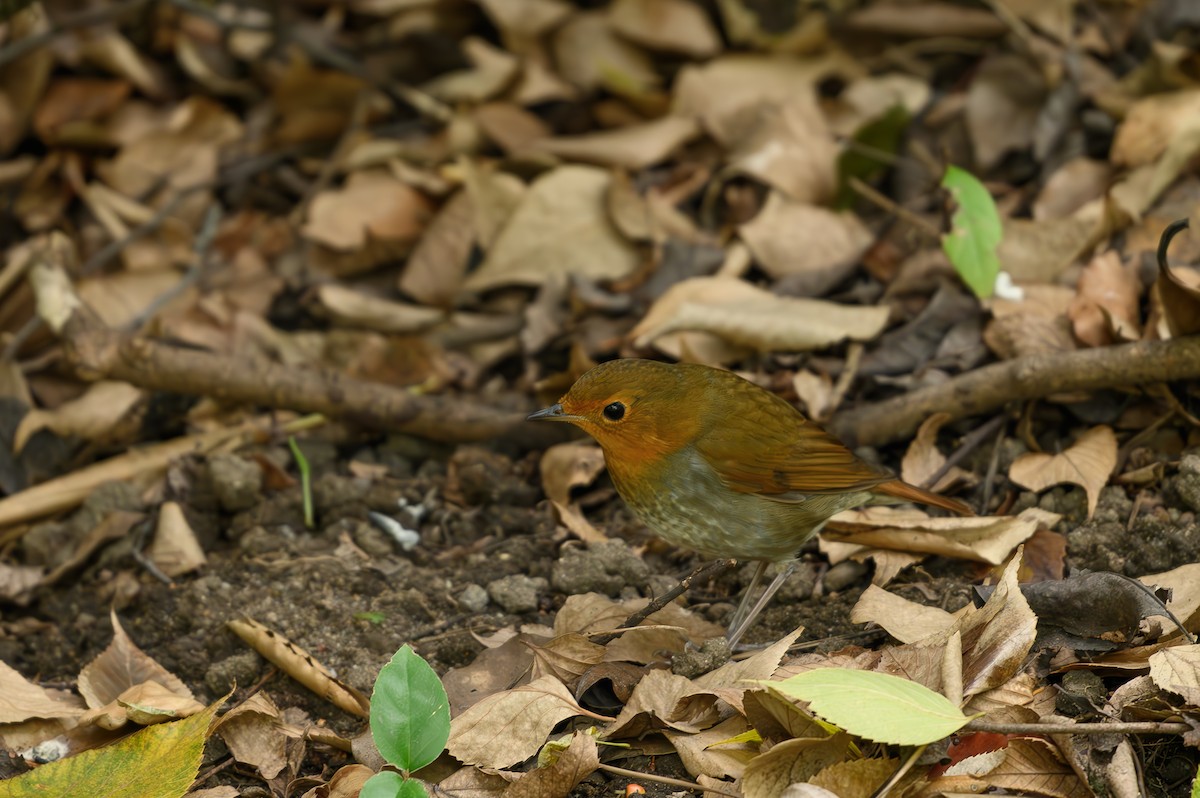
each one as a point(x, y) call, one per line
point(977, 230)
point(305, 481)
point(410, 722)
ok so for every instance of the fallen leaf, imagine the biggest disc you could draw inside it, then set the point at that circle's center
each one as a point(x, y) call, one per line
point(748, 316)
point(1073, 185)
point(175, 549)
point(923, 459)
point(591, 56)
point(1152, 123)
point(1177, 670)
point(1003, 103)
point(566, 466)
point(435, 270)
point(491, 71)
point(1106, 307)
point(790, 239)
point(560, 226)
point(93, 416)
point(1088, 463)
point(372, 204)
point(788, 147)
point(630, 147)
point(905, 620)
point(509, 727)
point(674, 26)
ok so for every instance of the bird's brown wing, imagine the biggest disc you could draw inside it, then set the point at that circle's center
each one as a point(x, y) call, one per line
point(768, 448)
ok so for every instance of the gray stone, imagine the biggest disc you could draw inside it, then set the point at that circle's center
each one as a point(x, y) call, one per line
point(517, 593)
point(601, 568)
point(473, 598)
point(237, 482)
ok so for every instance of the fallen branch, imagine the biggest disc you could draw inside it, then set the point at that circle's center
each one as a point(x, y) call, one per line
point(987, 389)
point(99, 352)
point(1137, 727)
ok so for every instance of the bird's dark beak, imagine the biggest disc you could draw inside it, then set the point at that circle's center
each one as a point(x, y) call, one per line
point(554, 413)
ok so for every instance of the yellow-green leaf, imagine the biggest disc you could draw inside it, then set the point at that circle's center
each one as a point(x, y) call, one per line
point(157, 762)
point(877, 706)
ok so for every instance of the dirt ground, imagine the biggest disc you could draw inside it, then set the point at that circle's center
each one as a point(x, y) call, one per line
point(347, 593)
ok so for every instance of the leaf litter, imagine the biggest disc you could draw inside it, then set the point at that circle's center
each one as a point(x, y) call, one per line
point(472, 204)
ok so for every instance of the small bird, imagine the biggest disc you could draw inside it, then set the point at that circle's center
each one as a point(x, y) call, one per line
point(712, 462)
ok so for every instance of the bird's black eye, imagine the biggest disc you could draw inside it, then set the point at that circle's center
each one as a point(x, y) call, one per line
point(614, 411)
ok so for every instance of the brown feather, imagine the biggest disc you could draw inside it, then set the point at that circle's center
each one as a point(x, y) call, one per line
point(911, 493)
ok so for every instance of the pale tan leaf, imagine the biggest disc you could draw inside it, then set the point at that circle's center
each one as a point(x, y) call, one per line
point(793, 238)
point(676, 26)
point(905, 620)
point(1088, 463)
point(1073, 185)
point(711, 754)
point(720, 91)
point(561, 226)
point(869, 98)
point(790, 148)
point(1184, 584)
point(92, 416)
point(372, 204)
point(435, 270)
point(120, 666)
point(1152, 123)
point(1177, 670)
point(790, 762)
point(989, 540)
point(149, 703)
point(748, 316)
point(1106, 307)
point(491, 71)
point(509, 727)
point(252, 731)
point(1003, 102)
point(21, 699)
point(1040, 251)
point(522, 21)
point(923, 459)
point(1035, 766)
point(352, 308)
point(631, 147)
point(590, 55)
point(565, 466)
point(175, 549)
point(856, 778)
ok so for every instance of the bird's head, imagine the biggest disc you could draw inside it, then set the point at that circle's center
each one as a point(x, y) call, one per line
point(637, 410)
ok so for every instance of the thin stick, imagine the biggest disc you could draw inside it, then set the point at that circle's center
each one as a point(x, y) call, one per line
point(687, 785)
point(1137, 727)
point(891, 206)
point(86, 19)
point(971, 440)
point(698, 576)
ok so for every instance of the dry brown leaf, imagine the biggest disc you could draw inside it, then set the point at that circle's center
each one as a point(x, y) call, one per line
point(93, 416)
point(923, 458)
point(1177, 670)
point(175, 549)
point(71, 106)
point(120, 666)
point(858, 778)
point(815, 392)
point(1040, 251)
point(495, 197)
point(1152, 123)
point(21, 699)
point(986, 539)
point(721, 91)
point(905, 620)
point(524, 21)
point(791, 762)
point(510, 126)
point(711, 753)
point(435, 270)
point(252, 732)
point(1184, 584)
point(566, 466)
point(927, 19)
point(1003, 103)
point(122, 297)
point(149, 702)
point(795, 239)
point(1035, 766)
point(491, 71)
point(674, 26)
point(23, 82)
point(1073, 185)
point(1088, 463)
point(591, 56)
point(350, 308)
point(1177, 300)
point(559, 227)
point(1106, 307)
point(558, 779)
point(748, 316)
point(790, 148)
point(372, 204)
point(868, 98)
point(509, 727)
point(631, 146)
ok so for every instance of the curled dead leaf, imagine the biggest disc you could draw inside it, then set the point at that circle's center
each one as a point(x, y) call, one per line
point(1088, 463)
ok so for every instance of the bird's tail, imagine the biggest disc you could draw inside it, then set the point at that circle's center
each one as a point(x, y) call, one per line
point(911, 493)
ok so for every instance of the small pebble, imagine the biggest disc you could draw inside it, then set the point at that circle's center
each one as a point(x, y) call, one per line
point(473, 598)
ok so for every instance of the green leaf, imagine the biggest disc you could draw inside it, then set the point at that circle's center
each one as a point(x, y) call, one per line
point(1196, 785)
point(159, 761)
point(877, 706)
point(879, 140)
point(410, 714)
point(389, 784)
point(971, 245)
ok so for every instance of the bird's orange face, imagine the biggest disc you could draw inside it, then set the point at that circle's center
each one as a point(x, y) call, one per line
point(629, 408)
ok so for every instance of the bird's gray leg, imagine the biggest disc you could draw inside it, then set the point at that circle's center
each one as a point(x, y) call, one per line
point(736, 631)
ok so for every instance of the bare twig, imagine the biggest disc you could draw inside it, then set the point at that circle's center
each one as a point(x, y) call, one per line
point(987, 389)
point(697, 577)
point(891, 206)
point(86, 19)
point(969, 442)
point(687, 785)
point(1139, 727)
